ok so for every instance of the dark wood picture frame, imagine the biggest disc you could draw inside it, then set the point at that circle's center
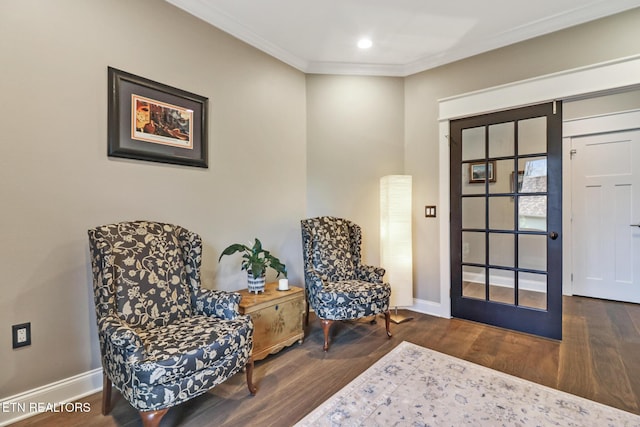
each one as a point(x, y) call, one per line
point(477, 172)
point(151, 121)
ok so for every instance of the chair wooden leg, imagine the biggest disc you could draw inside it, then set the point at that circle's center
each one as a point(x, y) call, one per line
point(106, 395)
point(387, 320)
point(326, 325)
point(152, 418)
point(249, 370)
point(306, 319)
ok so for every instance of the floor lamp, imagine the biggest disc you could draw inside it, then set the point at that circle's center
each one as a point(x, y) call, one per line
point(396, 240)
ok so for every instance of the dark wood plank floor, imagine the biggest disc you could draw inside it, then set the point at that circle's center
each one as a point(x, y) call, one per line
point(599, 359)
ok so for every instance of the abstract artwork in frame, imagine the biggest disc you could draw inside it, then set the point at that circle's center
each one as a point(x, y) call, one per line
point(151, 121)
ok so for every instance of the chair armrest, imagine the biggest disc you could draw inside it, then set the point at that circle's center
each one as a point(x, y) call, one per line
point(121, 336)
point(314, 278)
point(313, 283)
point(369, 273)
point(216, 303)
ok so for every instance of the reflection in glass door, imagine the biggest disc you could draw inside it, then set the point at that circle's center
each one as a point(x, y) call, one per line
point(506, 219)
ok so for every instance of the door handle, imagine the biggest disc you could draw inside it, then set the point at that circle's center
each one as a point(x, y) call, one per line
point(634, 225)
point(553, 235)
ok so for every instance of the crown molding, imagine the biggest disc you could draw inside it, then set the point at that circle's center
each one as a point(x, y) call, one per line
point(581, 15)
point(207, 11)
point(347, 68)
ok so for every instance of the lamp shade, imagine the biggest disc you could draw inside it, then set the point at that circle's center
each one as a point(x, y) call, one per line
point(395, 237)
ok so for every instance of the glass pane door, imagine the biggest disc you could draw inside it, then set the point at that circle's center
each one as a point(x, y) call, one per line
point(506, 218)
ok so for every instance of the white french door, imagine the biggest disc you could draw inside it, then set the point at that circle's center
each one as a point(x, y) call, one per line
point(606, 215)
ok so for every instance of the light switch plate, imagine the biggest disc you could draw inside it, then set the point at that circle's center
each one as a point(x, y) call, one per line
point(430, 211)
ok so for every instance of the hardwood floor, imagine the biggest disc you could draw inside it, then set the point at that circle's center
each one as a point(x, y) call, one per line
point(598, 359)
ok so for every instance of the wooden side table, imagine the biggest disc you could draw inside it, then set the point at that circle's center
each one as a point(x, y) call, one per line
point(278, 318)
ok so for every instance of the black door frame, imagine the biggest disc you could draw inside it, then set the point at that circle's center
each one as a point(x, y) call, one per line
point(547, 322)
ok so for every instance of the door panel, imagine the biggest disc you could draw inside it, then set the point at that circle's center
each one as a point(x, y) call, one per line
point(606, 209)
point(506, 219)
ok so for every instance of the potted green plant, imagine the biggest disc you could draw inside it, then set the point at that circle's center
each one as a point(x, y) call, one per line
point(256, 260)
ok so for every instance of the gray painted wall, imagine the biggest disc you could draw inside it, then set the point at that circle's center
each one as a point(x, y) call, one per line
point(57, 181)
point(355, 136)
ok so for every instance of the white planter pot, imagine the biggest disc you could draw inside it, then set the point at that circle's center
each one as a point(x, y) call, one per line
point(255, 284)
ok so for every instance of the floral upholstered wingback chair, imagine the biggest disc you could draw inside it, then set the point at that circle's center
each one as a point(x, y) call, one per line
point(338, 285)
point(163, 339)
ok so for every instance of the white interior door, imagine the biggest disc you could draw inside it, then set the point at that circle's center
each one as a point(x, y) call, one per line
point(606, 215)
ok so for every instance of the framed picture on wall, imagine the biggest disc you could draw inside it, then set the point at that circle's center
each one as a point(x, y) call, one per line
point(478, 172)
point(151, 121)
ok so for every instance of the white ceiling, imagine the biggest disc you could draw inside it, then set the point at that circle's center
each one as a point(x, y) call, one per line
point(408, 36)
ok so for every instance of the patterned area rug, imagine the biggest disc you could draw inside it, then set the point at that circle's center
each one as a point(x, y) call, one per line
point(415, 386)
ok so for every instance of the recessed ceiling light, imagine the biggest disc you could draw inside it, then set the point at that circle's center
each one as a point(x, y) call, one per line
point(365, 43)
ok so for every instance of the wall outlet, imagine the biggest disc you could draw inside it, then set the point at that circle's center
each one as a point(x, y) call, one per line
point(21, 335)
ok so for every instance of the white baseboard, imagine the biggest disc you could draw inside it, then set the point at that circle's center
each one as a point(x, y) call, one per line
point(54, 397)
point(429, 307)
